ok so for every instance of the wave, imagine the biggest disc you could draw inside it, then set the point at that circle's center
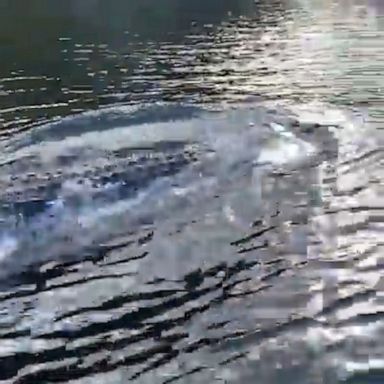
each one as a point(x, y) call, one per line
point(68, 195)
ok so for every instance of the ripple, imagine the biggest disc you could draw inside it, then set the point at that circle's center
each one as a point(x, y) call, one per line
point(216, 199)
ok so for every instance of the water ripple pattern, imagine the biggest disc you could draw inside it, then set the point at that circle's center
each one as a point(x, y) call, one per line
point(189, 196)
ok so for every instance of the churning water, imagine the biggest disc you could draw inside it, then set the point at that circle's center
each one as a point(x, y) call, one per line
point(191, 191)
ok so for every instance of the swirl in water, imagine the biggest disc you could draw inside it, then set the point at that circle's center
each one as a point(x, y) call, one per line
point(82, 215)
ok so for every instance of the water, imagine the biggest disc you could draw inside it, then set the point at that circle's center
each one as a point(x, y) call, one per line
point(191, 191)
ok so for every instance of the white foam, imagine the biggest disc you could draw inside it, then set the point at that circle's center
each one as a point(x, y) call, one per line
point(284, 150)
point(8, 245)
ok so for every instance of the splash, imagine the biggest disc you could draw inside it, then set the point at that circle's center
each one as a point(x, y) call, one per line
point(113, 182)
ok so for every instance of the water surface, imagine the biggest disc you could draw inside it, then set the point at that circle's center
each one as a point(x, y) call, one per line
point(191, 191)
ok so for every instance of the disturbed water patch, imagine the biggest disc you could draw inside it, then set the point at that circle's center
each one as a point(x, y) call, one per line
point(246, 272)
point(80, 190)
point(193, 262)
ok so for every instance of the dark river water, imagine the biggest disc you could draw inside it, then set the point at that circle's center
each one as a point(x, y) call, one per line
point(191, 191)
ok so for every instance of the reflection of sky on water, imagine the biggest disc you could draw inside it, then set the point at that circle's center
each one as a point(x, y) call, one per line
point(320, 258)
point(291, 53)
point(311, 54)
